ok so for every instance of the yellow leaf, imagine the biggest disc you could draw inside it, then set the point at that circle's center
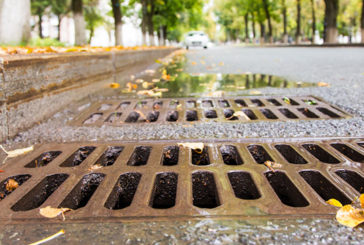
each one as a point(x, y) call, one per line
point(198, 147)
point(322, 84)
point(147, 85)
point(255, 92)
point(17, 152)
point(221, 63)
point(271, 165)
point(11, 185)
point(114, 85)
point(334, 202)
point(361, 199)
point(50, 212)
point(350, 216)
point(193, 63)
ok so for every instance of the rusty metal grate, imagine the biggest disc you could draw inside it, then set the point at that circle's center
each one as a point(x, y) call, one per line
point(133, 180)
point(120, 112)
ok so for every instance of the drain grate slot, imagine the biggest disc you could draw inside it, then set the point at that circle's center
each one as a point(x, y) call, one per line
point(349, 152)
point(257, 102)
point(290, 101)
point(123, 192)
point(307, 113)
point(123, 105)
point(141, 104)
point(153, 116)
point(109, 157)
point(83, 191)
point(132, 117)
point(320, 153)
point(40, 193)
point(224, 103)
point(7, 186)
point(328, 112)
point(241, 103)
point(274, 102)
point(230, 155)
point(204, 190)
point(286, 190)
point(269, 114)
point(200, 158)
point(44, 159)
point(170, 156)
point(93, 118)
point(353, 179)
point(207, 103)
point(191, 116)
point(172, 116)
point(140, 156)
point(259, 154)
point(78, 157)
point(114, 117)
point(243, 185)
point(210, 114)
point(191, 104)
point(290, 154)
point(105, 107)
point(288, 113)
point(324, 188)
point(229, 114)
point(250, 114)
point(165, 191)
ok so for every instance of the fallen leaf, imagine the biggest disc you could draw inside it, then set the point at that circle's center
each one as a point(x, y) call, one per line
point(163, 90)
point(150, 72)
point(350, 216)
point(114, 85)
point(11, 185)
point(150, 93)
point(47, 239)
point(198, 147)
point(1, 171)
point(139, 81)
point(216, 94)
point(50, 212)
point(334, 202)
point(287, 100)
point(255, 92)
point(147, 85)
point(17, 152)
point(95, 167)
point(272, 165)
point(239, 114)
point(361, 199)
point(322, 84)
point(155, 80)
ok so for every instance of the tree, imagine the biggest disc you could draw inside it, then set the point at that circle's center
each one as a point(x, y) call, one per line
point(362, 22)
point(298, 28)
point(267, 15)
point(313, 14)
point(116, 9)
point(93, 19)
point(60, 8)
point(78, 18)
point(284, 15)
point(37, 8)
point(330, 21)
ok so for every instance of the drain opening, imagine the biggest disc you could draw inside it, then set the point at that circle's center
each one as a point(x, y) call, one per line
point(320, 153)
point(210, 114)
point(207, 103)
point(140, 156)
point(352, 178)
point(224, 103)
point(268, 114)
point(290, 154)
point(104, 107)
point(172, 116)
point(257, 102)
point(170, 156)
point(307, 113)
point(165, 190)
point(173, 103)
point(123, 105)
point(132, 117)
point(290, 101)
point(40, 193)
point(229, 114)
point(141, 104)
point(286, 190)
point(349, 152)
point(259, 154)
point(123, 192)
point(274, 102)
point(83, 191)
point(241, 103)
point(204, 190)
point(230, 155)
point(114, 117)
point(157, 105)
point(328, 112)
point(191, 116)
point(78, 157)
point(323, 187)
point(93, 118)
point(288, 113)
point(44, 159)
point(243, 185)
point(250, 114)
point(7, 186)
point(200, 158)
point(109, 157)
point(190, 104)
point(153, 116)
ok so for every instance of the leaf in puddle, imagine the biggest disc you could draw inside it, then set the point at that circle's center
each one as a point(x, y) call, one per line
point(17, 152)
point(255, 92)
point(323, 84)
point(50, 212)
point(114, 85)
point(11, 185)
point(334, 202)
point(198, 147)
point(350, 216)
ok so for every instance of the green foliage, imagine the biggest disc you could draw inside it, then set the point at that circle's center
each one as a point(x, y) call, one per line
point(44, 42)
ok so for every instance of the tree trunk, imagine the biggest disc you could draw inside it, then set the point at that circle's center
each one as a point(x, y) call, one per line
point(117, 21)
point(246, 28)
point(40, 15)
point(267, 14)
point(161, 36)
point(330, 23)
point(91, 35)
point(59, 17)
point(284, 13)
point(80, 25)
point(298, 29)
point(144, 21)
point(150, 22)
point(313, 20)
point(253, 28)
point(262, 33)
point(362, 22)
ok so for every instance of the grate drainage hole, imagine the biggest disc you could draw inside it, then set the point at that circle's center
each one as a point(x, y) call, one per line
point(230, 155)
point(190, 104)
point(20, 179)
point(268, 114)
point(361, 144)
point(207, 103)
point(153, 116)
point(274, 102)
point(173, 103)
point(287, 192)
point(109, 157)
point(287, 113)
point(328, 112)
point(123, 105)
point(353, 179)
point(204, 191)
point(164, 191)
point(78, 157)
point(229, 114)
point(257, 102)
point(172, 116)
point(290, 101)
point(323, 187)
point(170, 156)
point(123, 192)
point(243, 185)
point(210, 114)
point(114, 117)
point(157, 105)
point(104, 107)
point(141, 104)
point(40, 193)
point(191, 116)
point(224, 103)
point(250, 114)
point(290, 154)
point(307, 113)
point(241, 103)
point(259, 154)
point(93, 118)
point(349, 152)
point(200, 158)
point(132, 117)
point(44, 159)
point(140, 156)
point(320, 154)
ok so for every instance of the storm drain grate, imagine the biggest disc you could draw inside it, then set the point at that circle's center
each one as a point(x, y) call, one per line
point(129, 180)
point(277, 108)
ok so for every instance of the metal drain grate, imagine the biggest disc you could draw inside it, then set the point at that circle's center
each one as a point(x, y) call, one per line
point(133, 180)
point(118, 113)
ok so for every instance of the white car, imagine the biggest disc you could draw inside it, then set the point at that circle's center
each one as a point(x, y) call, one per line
point(196, 39)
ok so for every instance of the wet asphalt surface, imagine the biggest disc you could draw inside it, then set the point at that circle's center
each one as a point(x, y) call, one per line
point(342, 68)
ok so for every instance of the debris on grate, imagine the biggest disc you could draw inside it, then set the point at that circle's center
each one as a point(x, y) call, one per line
point(118, 113)
point(164, 179)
